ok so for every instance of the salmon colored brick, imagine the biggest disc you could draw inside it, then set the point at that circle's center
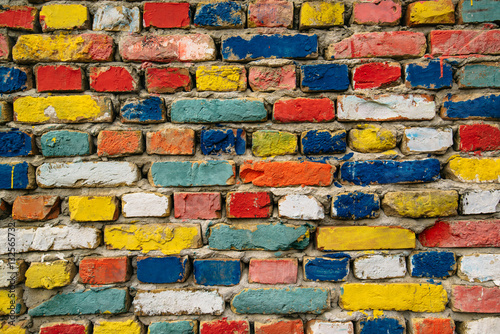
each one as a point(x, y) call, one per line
point(464, 42)
point(280, 326)
point(197, 205)
point(118, 143)
point(59, 78)
point(4, 47)
point(303, 110)
point(464, 233)
point(166, 15)
point(105, 270)
point(249, 205)
point(273, 271)
point(113, 79)
point(475, 299)
point(171, 142)
point(37, 207)
point(377, 12)
point(168, 80)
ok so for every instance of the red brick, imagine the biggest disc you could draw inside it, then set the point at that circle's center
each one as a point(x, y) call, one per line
point(464, 42)
point(59, 78)
point(4, 47)
point(18, 17)
point(4, 209)
point(113, 79)
point(77, 327)
point(119, 143)
point(225, 326)
point(168, 80)
point(433, 326)
point(377, 12)
point(265, 79)
point(171, 142)
point(270, 13)
point(478, 137)
point(197, 205)
point(273, 271)
point(249, 205)
point(475, 299)
point(303, 110)
point(480, 233)
point(280, 327)
point(37, 207)
point(376, 75)
point(104, 270)
point(166, 15)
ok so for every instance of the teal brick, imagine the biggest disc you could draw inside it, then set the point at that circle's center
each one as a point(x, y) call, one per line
point(478, 11)
point(192, 173)
point(480, 75)
point(173, 327)
point(65, 143)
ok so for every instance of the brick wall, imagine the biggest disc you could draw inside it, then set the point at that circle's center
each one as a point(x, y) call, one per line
point(250, 167)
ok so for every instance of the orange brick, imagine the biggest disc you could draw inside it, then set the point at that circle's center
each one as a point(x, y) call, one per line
point(105, 270)
point(170, 142)
point(119, 143)
point(280, 326)
point(38, 207)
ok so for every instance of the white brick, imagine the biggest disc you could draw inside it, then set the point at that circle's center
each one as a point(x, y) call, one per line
point(426, 140)
point(164, 302)
point(87, 174)
point(327, 327)
point(379, 266)
point(146, 205)
point(8, 270)
point(300, 207)
point(480, 268)
point(385, 108)
point(117, 18)
point(481, 326)
point(478, 202)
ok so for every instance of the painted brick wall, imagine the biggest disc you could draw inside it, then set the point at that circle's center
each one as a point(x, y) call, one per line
point(254, 167)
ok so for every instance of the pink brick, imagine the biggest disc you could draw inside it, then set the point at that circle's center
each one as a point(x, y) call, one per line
point(266, 79)
point(479, 233)
point(377, 12)
point(168, 80)
point(4, 47)
point(270, 13)
point(475, 299)
point(273, 271)
point(197, 205)
point(464, 42)
point(376, 75)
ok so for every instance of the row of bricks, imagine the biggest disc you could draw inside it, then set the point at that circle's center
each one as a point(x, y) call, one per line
point(226, 78)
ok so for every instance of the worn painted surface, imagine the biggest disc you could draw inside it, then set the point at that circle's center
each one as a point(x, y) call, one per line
point(221, 78)
point(377, 12)
point(150, 110)
point(323, 142)
point(300, 207)
point(421, 13)
point(329, 327)
point(210, 272)
point(226, 14)
point(368, 138)
point(379, 266)
point(63, 78)
point(432, 325)
point(273, 271)
point(104, 270)
point(270, 13)
point(249, 205)
point(478, 202)
point(382, 325)
point(93, 208)
point(197, 205)
point(355, 205)
point(480, 170)
point(18, 17)
point(174, 327)
point(214, 141)
point(16, 176)
point(270, 143)
point(475, 299)
point(225, 326)
point(72, 327)
point(478, 137)
point(432, 264)
point(480, 268)
point(12, 272)
point(421, 203)
point(171, 142)
point(426, 140)
point(146, 205)
point(432, 75)
point(324, 77)
point(487, 325)
point(464, 42)
point(16, 143)
point(478, 11)
point(462, 233)
point(288, 110)
point(160, 270)
point(130, 326)
point(192, 173)
point(376, 75)
point(13, 79)
point(13, 299)
point(319, 14)
point(326, 269)
point(63, 16)
point(279, 326)
point(50, 275)
point(167, 80)
point(63, 143)
point(166, 15)
point(113, 79)
point(471, 106)
point(117, 18)
point(480, 75)
point(268, 79)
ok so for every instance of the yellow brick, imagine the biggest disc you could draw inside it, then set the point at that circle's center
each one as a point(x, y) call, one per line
point(370, 139)
point(321, 14)
point(421, 204)
point(93, 208)
point(167, 238)
point(221, 78)
point(59, 16)
point(50, 275)
point(62, 109)
point(363, 237)
point(397, 296)
point(430, 12)
point(484, 170)
point(5, 328)
point(12, 301)
point(129, 326)
point(269, 143)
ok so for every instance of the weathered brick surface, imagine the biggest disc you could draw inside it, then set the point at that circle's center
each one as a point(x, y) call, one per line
point(59, 78)
point(270, 13)
point(273, 271)
point(376, 75)
point(18, 17)
point(104, 270)
point(113, 79)
point(171, 142)
point(168, 80)
point(50, 275)
point(35, 208)
point(166, 15)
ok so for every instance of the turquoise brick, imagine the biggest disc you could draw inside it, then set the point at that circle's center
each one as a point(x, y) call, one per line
point(192, 173)
point(480, 75)
point(217, 271)
point(173, 327)
point(64, 143)
point(477, 11)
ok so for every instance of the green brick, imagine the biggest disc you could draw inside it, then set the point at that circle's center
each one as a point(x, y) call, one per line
point(192, 173)
point(65, 143)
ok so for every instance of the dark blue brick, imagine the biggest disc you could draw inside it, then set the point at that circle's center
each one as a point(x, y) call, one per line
point(434, 75)
point(15, 144)
point(217, 272)
point(170, 269)
point(356, 205)
point(326, 269)
point(15, 176)
point(12, 79)
point(432, 264)
point(219, 14)
point(381, 325)
point(323, 142)
point(223, 141)
point(324, 77)
point(471, 106)
point(150, 110)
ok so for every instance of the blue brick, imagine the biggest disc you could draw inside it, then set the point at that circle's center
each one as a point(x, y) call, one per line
point(389, 171)
point(381, 325)
point(355, 205)
point(15, 144)
point(432, 264)
point(16, 176)
point(159, 270)
point(12, 79)
point(223, 141)
point(251, 47)
point(323, 142)
point(479, 11)
point(433, 75)
point(217, 272)
point(474, 106)
point(227, 14)
point(324, 77)
point(173, 327)
point(150, 110)
point(480, 75)
point(65, 143)
point(326, 269)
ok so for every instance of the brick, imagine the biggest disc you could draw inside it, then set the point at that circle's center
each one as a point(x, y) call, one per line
point(355, 205)
point(376, 75)
point(17, 144)
point(73, 327)
point(323, 142)
point(475, 299)
point(220, 14)
point(221, 78)
point(5, 112)
point(426, 140)
point(324, 77)
point(479, 202)
point(18, 17)
point(435, 74)
point(5, 209)
point(479, 268)
point(391, 296)
point(280, 301)
point(63, 109)
point(269, 79)
point(421, 203)
point(13, 328)
point(252, 47)
point(273, 271)
point(87, 174)
point(377, 12)
point(161, 80)
point(117, 18)
point(379, 266)
point(286, 173)
point(130, 326)
point(12, 302)
point(383, 325)
point(321, 14)
point(450, 234)
point(66, 48)
point(340, 238)
point(177, 302)
point(263, 236)
point(279, 326)
point(143, 111)
point(432, 325)
point(64, 16)
point(385, 107)
point(59, 78)
point(300, 109)
point(464, 42)
point(421, 13)
point(111, 143)
point(367, 138)
point(12, 272)
point(326, 269)
point(270, 13)
point(104, 270)
point(166, 15)
point(197, 205)
point(480, 75)
point(329, 327)
point(480, 326)
point(249, 205)
point(160, 270)
point(114, 79)
point(64, 143)
point(36, 208)
point(167, 238)
point(146, 205)
point(229, 141)
point(389, 171)
point(93, 208)
point(192, 173)
point(4, 47)
point(218, 110)
point(480, 170)
point(225, 326)
point(17, 175)
point(173, 327)
point(478, 137)
point(391, 44)
point(301, 207)
point(432, 264)
point(167, 48)
point(478, 11)
point(271, 143)
point(15, 79)
point(50, 275)
point(471, 106)
point(210, 272)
